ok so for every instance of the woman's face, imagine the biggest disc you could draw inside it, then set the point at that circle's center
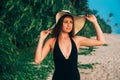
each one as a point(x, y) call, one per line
point(67, 25)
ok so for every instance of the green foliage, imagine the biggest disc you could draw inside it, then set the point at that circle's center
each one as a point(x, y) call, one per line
point(87, 66)
point(20, 24)
point(105, 45)
point(86, 51)
point(88, 30)
point(25, 69)
point(24, 19)
point(105, 27)
point(7, 51)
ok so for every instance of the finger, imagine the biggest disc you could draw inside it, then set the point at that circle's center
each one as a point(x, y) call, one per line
point(87, 16)
point(48, 31)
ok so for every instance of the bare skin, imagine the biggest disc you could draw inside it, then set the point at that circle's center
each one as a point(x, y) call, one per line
point(64, 40)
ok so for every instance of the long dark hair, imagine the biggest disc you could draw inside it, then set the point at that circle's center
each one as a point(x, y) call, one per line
point(58, 27)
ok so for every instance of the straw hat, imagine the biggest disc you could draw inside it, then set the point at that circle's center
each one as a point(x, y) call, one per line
point(79, 21)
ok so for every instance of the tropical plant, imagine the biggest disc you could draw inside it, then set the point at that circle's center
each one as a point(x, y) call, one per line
point(21, 22)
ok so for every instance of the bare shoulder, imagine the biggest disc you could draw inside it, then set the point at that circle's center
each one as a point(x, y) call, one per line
point(51, 42)
point(78, 38)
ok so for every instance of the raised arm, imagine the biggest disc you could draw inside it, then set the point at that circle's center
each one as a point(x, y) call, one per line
point(42, 51)
point(99, 34)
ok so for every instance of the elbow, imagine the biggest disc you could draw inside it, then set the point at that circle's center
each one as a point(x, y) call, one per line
point(37, 61)
point(102, 43)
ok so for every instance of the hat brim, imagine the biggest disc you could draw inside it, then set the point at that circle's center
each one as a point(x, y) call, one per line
point(79, 21)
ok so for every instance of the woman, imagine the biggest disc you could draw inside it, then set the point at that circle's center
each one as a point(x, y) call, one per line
point(64, 45)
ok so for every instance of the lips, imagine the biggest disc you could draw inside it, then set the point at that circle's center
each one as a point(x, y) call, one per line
point(69, 29)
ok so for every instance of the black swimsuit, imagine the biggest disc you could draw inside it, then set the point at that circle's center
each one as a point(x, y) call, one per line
point(65, 69)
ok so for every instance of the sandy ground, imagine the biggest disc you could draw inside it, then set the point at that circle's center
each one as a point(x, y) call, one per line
point(108, 59)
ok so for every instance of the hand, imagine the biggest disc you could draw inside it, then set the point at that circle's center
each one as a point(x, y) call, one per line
point(91, 18)
point(44, 34)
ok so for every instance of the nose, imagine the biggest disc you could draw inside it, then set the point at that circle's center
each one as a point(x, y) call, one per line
point(69, 24)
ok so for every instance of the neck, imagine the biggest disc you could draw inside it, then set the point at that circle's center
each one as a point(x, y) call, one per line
point(63, 36)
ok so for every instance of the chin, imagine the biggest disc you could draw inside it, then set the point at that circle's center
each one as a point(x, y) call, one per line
point(68, 31)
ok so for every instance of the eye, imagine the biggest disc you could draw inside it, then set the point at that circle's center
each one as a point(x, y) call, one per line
point(71, 22)
point(65, 21)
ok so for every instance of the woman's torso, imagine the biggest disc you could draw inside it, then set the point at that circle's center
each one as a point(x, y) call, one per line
point(65, 68)
point(53, 40)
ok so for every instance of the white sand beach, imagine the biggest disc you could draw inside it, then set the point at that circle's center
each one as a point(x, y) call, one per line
point(108, 59)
